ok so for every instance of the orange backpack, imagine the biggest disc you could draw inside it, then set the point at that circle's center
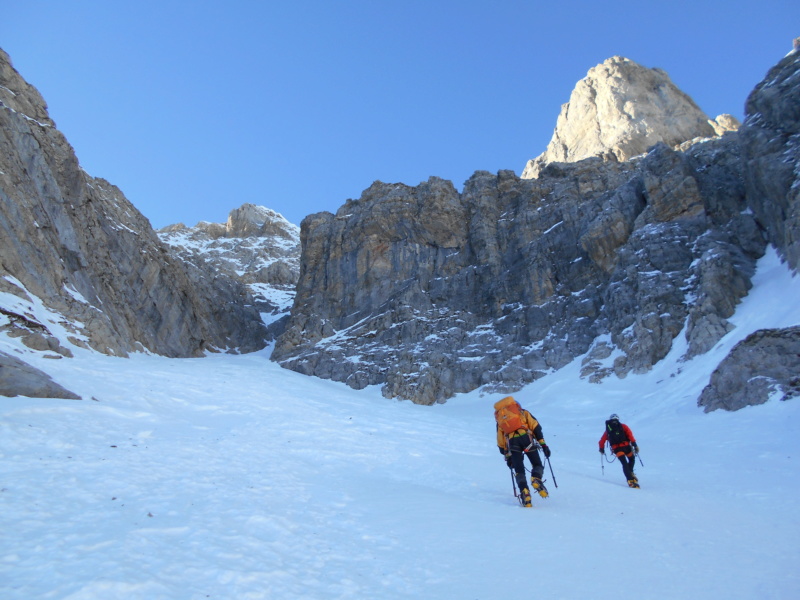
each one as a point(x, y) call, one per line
point(508, 414)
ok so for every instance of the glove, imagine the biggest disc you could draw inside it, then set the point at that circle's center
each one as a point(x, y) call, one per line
point(602, 451)
point(636, 448)
point(508, 460)
point(546, 450)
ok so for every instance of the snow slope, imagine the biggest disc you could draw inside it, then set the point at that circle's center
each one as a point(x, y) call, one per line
point(228, 477)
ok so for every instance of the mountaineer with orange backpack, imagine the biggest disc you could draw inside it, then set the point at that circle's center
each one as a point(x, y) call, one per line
point(517, 435)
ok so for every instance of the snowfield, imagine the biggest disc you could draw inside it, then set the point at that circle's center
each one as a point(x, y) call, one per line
point(227, 477)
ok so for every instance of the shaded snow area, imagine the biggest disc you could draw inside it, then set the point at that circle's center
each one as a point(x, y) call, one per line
point(228, 477)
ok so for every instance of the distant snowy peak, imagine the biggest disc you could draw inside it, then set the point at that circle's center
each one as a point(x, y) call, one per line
point(248, 220)
point(251, 220)
point(256, 245)
point(619, 110)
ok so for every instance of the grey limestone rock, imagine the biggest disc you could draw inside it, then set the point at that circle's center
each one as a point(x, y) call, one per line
point(18, 378)
point(428, 292)
point(766, 364)
point(75, 243)
point(618, 111)
point(770, 140)
point(256, 247)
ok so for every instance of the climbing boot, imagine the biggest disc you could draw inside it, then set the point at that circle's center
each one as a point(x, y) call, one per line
point(539, 487)
point(526, 498)
point(634, 483)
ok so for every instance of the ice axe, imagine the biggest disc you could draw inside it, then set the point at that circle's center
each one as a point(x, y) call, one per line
point(514, 485)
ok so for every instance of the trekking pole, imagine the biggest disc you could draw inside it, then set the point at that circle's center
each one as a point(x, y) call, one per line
point(602, 463)
point(551, 472)
point(514, 484)
point(636, 454)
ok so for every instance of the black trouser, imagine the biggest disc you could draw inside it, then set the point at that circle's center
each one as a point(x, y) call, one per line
point(626, 459)
point(517, 447)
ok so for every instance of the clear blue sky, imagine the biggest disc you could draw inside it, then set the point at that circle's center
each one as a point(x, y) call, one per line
point(194, 108)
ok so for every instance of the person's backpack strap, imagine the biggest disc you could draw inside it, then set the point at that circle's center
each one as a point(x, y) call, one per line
point(616, 433)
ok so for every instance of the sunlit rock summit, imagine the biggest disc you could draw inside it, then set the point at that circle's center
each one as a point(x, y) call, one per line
point(620, 110)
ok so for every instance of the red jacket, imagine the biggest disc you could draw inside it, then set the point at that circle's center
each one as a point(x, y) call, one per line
point(628, 432)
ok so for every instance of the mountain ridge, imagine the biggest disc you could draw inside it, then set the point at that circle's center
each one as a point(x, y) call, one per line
point(423, 290)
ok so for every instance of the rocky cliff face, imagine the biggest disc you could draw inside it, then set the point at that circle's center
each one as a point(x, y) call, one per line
point(766, 363)
point(620, 110)
point(75, 249)
point(771, 155)
point(429, 292)
point(256, 246)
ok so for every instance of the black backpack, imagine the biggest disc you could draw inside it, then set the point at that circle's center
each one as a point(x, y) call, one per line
point(616, 434)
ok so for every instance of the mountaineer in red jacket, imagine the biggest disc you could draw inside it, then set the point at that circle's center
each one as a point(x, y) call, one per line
point(623, 444)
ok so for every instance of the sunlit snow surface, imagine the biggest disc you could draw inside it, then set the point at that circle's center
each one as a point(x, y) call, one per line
point(228, 477)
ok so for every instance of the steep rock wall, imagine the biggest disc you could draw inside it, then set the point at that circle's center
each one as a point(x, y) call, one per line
point(621, 109)
point(77, 245)
point(429, 292)
point(766, 363)
point(771, 155)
